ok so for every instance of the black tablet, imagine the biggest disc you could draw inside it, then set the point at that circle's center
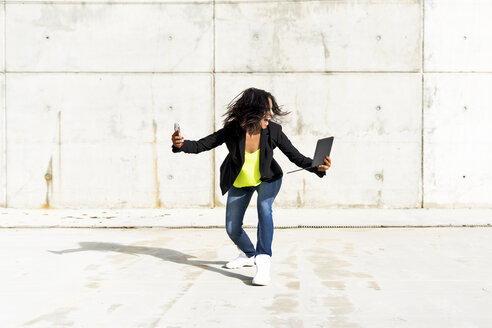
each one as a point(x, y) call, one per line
point(323, 149)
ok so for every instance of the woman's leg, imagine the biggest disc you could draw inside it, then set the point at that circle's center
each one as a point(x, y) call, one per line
point(237, 203)
point(267, 191)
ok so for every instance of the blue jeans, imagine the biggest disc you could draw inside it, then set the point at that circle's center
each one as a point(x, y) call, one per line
point(237, 203)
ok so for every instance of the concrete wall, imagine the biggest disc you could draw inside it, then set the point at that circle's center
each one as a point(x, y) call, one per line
point(90, 92)
point(457, 104)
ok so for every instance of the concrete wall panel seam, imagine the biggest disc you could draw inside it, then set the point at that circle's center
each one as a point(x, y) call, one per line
point(422, 68)
point(110, 73)
point(3, 137)
point(106, 2)
point(226, 72)
point(213, 110)
point(125, 2)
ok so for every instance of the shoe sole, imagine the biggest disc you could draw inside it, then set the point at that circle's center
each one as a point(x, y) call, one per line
point(259, 284)
point(238, 267)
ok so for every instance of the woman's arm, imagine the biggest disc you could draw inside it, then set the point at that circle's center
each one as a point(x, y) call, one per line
point(295, 156)
point(194, 147)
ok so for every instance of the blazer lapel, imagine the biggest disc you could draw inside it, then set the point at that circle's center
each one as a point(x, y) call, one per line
point(263, 147)
point(242, 146)
point(263, 139)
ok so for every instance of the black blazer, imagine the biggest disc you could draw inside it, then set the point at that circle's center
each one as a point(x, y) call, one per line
point(270, 138)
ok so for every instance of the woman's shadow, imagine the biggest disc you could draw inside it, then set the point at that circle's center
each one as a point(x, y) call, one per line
point(165, 254)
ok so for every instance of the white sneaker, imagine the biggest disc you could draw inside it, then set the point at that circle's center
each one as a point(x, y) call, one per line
point(262, 277)
point(241, 261)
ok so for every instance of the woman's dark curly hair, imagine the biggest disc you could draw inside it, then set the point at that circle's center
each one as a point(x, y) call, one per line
point(249, 107)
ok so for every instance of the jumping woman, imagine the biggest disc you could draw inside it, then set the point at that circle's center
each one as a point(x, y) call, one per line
point(251, 137)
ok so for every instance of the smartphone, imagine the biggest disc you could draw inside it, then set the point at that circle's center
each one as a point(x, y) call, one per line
point(176, 128)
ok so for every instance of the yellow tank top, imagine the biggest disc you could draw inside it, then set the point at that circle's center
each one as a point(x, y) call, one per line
point(250, 172)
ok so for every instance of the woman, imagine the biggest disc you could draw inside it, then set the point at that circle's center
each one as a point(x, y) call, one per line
point(250, 137)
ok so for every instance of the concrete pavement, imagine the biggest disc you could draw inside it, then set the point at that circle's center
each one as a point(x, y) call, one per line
point(160, 277)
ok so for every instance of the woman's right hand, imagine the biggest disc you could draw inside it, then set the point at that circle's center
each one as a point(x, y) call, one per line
point(177, 140)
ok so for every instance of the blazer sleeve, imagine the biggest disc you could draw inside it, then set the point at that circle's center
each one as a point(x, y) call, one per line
point(295, 156)
point(206, 143)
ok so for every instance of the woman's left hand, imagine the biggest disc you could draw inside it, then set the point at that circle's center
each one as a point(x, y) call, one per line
point(327, 165)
